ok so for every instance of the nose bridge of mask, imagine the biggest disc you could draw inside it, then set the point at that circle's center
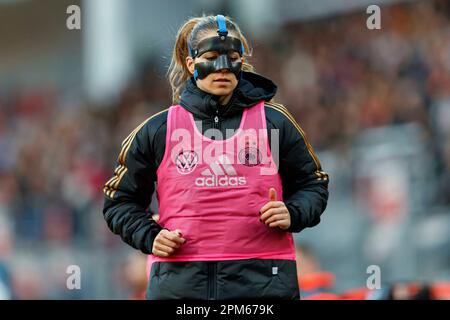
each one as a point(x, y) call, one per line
point(222, 62)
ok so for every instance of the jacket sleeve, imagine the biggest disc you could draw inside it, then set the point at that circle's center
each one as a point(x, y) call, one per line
point(127, 195)
point(305, 185)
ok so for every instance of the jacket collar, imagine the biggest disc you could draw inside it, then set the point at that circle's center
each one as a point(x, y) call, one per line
point(251, 89)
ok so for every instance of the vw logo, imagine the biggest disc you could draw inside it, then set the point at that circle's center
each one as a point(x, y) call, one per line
point(186, 161)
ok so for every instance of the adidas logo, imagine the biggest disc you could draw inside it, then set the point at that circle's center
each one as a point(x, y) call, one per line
point(220, 174)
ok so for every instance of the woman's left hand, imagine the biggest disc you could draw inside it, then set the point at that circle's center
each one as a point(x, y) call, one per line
point(275, 213)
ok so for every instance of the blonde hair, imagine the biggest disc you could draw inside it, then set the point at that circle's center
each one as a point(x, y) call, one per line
point(189, 35)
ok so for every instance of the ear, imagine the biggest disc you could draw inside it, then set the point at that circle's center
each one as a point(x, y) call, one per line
point(190, 64)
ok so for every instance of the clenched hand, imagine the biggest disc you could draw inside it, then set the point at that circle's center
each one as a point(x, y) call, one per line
point(166, 242)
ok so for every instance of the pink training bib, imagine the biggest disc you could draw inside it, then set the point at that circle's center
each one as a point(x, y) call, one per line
point(212, 190)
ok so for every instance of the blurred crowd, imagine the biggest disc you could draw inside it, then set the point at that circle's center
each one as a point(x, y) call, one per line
point(315, 283)
point(337, 77)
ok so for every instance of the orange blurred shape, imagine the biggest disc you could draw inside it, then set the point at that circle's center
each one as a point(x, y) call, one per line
point(440, 291)
point(316, 280)
point(355, 294)
point(323, 296)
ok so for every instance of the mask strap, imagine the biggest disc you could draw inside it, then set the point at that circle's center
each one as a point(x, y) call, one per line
point(222, 25)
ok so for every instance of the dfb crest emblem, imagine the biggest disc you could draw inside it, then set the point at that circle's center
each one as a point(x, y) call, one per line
point(250, 156)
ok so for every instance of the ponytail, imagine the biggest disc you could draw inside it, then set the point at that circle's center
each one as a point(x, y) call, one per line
point(178, 73)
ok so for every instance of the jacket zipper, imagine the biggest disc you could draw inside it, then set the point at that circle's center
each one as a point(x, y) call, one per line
point(212, 278)
point(216, 120)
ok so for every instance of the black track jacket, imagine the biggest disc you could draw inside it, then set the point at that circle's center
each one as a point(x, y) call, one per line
point(128, 193)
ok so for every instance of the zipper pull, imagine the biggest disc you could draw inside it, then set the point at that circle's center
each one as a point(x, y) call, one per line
point(216, 119)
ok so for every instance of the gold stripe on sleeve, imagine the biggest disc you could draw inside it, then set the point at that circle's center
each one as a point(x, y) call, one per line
point(279, 107)
point(111, 186)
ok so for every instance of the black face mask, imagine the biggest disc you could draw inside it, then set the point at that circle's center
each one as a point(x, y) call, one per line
point(223, 46)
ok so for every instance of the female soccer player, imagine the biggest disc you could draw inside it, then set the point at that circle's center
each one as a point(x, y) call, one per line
point(235, 177)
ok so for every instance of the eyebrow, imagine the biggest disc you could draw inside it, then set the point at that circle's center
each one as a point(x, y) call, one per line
point(216, 52)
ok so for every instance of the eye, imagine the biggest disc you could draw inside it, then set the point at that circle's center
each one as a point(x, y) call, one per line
point(210, 56)
point(234, 56)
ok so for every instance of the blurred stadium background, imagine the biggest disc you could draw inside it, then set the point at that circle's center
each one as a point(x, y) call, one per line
point(375, 104)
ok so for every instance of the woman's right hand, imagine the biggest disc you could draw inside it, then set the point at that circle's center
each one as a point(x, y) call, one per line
point(166, 242)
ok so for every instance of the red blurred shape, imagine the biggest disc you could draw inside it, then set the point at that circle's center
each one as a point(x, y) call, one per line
point(316, 280)
point(440, 291)
point(355, 294)
point(323, 296)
